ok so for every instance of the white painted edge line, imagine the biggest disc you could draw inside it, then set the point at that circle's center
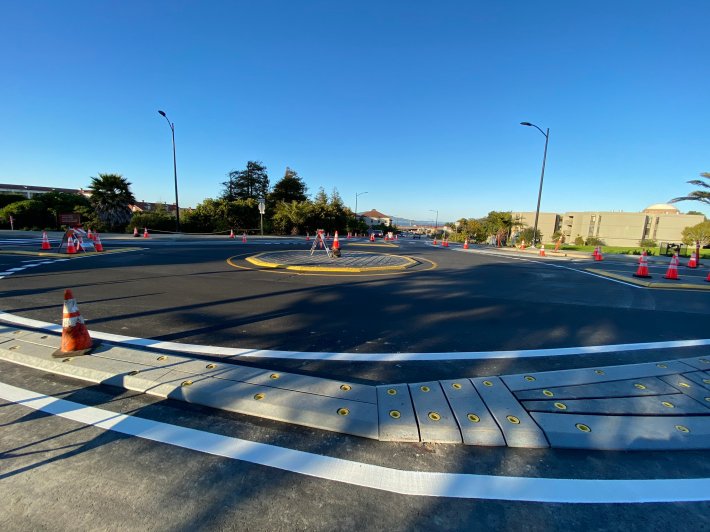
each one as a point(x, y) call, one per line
point(428, 484)
point(360, 357)
point(546, 263)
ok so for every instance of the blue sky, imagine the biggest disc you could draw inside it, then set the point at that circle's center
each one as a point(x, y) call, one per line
point(417, 103)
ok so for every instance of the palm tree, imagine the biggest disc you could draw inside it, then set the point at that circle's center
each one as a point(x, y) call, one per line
point(111, 196)
point(697, 195)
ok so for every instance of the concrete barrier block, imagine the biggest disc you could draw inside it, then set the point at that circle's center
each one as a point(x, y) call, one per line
point(475, 421)
point(315, 385)
point(626, 388)
point(575, 377)
point(657, 405)
point(701, 363)
point(699, 377)
point(396, 414)
point(518, 427)
point(436, 421)
point(316, 411)
point(690, 388)
point(45, 339)
point(625, 433)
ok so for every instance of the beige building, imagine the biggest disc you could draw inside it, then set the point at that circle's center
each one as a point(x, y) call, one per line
point(661, 222)
point(547, 223)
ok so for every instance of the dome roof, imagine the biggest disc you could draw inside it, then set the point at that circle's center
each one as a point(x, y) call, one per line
point(661, 207)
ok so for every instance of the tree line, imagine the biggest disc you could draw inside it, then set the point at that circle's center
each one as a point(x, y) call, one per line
point(289, 210)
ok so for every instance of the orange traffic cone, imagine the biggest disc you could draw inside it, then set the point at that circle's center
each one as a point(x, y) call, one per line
point(465, 244)
point(308, 237)
point(244, 237)
point(642, 270)
point(434, 241)
point(372, 237)
point(708, 278)
point(693, 262)
point(595, 252)
point(599, 255)
point(336, 242)
point(145, 233)
point(522, 245)
point(231, 233)
point(75, 337)
point(135, 232)
point(445, 243)
point(542, 250)
point(97, 242)
point(672, 272)
point(71, 250)
point(45, 241)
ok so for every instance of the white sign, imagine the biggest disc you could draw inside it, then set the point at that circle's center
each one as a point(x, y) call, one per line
point(262, 206)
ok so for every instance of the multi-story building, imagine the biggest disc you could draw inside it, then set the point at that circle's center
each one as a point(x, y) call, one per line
point(548, 223)
point(661, 222)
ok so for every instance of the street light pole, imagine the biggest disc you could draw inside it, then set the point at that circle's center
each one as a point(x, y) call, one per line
point(177, 204)
point(357, 195)
point(436, 223)
point(542, 176)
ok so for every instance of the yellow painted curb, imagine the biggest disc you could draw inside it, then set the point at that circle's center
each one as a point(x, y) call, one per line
point(648, 284)
point(264, 264)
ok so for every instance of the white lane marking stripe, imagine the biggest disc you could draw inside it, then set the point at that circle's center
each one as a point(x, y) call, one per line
point(431, 484)
point(361, 357)
point(545, 263)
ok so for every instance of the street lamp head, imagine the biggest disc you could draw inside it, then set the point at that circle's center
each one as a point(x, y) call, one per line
point(162, 113)
point(525, 124)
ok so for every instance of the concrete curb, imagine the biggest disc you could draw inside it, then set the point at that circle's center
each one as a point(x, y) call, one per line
point(649, 284)
point(481, 411)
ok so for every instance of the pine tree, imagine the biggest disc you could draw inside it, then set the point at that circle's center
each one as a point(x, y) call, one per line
point(253, 182)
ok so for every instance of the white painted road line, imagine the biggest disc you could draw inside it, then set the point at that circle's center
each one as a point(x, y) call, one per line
point(546, 263)
point(429, 484)
point(360, 357)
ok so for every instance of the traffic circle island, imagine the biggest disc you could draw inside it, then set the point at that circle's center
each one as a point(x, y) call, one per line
point(348, 262)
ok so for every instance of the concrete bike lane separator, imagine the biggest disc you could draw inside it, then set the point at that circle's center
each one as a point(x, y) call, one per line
point(519, 429)
point(475, 421)
point(436, 421)
point(404, 482)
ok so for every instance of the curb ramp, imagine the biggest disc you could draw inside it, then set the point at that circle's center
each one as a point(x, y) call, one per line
point(647, 406)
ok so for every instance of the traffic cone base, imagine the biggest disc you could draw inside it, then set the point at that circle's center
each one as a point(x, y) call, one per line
point(672, 273)
point(98, 246)
point(76, 340)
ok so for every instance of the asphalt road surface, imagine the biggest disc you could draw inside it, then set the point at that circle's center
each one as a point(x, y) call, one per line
point(61, 473)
